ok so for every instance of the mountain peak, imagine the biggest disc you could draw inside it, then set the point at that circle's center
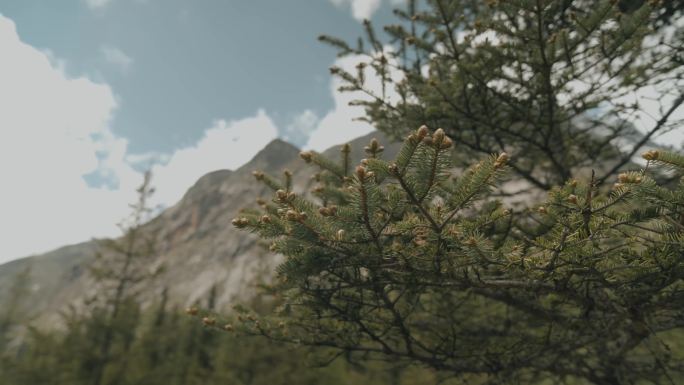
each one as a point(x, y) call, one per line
point(272, 157)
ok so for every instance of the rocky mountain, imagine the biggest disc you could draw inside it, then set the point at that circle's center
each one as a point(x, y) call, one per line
point(196, 242)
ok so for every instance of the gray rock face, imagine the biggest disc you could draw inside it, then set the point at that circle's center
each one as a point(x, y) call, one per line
point(196, 241)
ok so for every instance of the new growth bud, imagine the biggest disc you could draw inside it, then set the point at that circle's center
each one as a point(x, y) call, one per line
point(240, 222)
point(192, 310)
point(306, 155)
point(328, 211)
point(446, 143)
point(360, 172)
point(501, 160)
point(438, 136)
point(374, 148)
point(651, 155)
point(422, 132)
point(258, 175)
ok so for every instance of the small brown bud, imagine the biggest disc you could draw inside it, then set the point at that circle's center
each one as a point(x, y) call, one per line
point(260, 202)
point(422, 132)
point(364, 161)
point(290, 196)
point(209, 321)
point(542, 210)
point(428, 141)
point(292, 215)
point(501, 160)
point(374, 145)
point(273, 247)
point(258, 175)
point(302, 216)
point(265, 219)
point(240, 222)
point(573, 182)
point(281, 195)
point(394, 168)
point(228, 327)
point(446, 143)
point(192, 310)
point(623, 177)
point(438, 136)
point(324, 211)
point(361, 172)
point(281, 324)
point(306, 155)
point(287, 173)
point(572, 198)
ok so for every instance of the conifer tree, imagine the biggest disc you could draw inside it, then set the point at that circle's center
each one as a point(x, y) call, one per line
point(411, 261)
point(14, 309)
point(122, 268)
point(555, 83)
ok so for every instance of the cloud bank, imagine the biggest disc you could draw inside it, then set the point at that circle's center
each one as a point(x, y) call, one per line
point(54, 131)
point(55, 135)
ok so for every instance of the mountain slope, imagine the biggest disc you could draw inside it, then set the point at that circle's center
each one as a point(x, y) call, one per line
point(196, 241)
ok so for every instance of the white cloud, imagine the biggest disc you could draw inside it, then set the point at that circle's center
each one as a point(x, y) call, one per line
point(338, 125)
point(97, 3)
point(116, 57)
point(360, 9)
point(300, 128)
point(54, 130)
point(53, 127)
point(226, 145)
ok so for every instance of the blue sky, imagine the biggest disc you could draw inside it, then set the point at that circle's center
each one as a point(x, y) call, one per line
point(94, 91)
point(176, 64)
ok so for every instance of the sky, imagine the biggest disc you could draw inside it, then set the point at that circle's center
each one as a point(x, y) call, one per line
point(93, 92)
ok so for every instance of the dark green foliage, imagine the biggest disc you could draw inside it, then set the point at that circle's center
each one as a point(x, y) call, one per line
point(410, 261)
point(170, 348)
point(548, 81)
